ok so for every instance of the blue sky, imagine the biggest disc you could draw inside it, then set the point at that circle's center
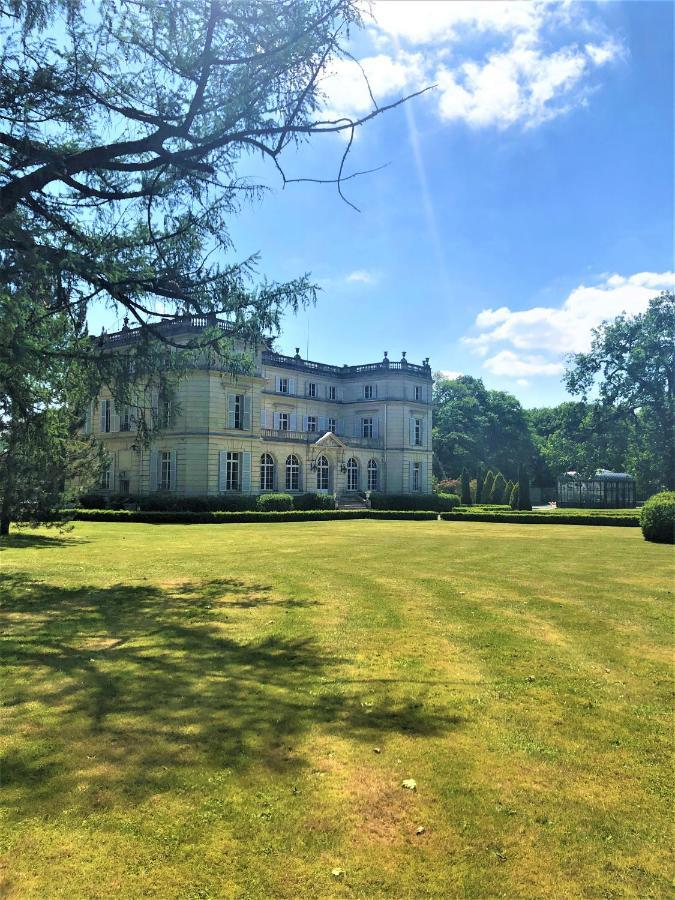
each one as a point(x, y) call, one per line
point(527, 198)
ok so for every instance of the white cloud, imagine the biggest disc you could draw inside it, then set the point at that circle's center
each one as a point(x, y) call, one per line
point(361, 276)
point(449, 375)
point(494, 63)
point(535, 340)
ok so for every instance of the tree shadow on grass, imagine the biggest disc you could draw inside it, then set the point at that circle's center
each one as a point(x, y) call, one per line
point(19, 541)
point(117, 693)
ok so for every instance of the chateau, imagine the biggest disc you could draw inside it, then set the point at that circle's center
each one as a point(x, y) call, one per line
point(288, 425)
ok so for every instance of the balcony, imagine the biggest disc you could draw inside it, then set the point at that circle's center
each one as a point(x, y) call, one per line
point(310, 437)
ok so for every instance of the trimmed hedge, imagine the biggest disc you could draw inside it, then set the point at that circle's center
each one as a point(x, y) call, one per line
point(275, 502)
point(313, 501)
point(224, 518)
point(657, 518)
point(438, 502)
point(564, 517)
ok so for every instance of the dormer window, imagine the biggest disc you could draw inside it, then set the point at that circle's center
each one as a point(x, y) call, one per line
point(368, 391)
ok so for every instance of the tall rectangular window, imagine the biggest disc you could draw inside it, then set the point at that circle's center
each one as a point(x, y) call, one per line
point(165, 474)
point(311, 389)
point(106, 415)
point(239, 411)
point(367, 427)
point(418, 432)
point(332, 425)
point(311, 423)
point(418, 392)
point(233, 472)
point(283, 385)
point(165, 414)
point(124, 483)
point(106, 479)
point(284, 421)
point(416, 476)
point(368, 392)
point(125, 418)
point(332, 392)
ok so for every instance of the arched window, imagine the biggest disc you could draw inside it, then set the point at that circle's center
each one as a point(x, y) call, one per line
point(372, 475)
point(322, 474)
point(266, 472)
point(352, 475)
point(292, 473)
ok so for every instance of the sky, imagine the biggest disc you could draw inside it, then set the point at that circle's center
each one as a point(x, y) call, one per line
point(524, 199)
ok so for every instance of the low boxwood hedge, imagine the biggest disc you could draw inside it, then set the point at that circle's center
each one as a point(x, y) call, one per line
point(177, 517)
point(439, 502)
point(275, 502)
point(313, 501)
point(563, 517)
point(657, 518)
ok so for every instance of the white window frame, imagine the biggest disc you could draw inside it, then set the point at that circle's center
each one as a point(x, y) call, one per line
point(166, 476)
point(284, 421)
point(292, 470)
point(352, 474)
point(418, 392)
point(165, 414)
point(125, 418)
point(106, 478)
point(368, 392)
point(332, 425)
point(283, 385)
point(239, 411)
point(233, 469)
point(123, 479)
point(367, 427)
point(322, 473)
point(311, 389)
point(312, 424)
point(266, 472)
point(373, 472)
point(416, 476)
point(332, 392)
point(418, 432)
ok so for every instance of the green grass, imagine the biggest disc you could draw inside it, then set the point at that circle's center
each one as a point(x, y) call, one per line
point(195, 711)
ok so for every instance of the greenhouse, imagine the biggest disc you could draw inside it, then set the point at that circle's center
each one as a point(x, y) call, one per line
point(604, 490)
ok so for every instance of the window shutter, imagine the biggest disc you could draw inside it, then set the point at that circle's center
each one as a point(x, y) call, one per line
point(376, 426)
point(358, 425)
point(246, 472)
point(293, 423)
point(340, 426)
point(305, 423)
point(153, 470)
point(412, 431)
point(275, 421)
point(222, 462)
point(112, 471)
point(174, 472)
point(154, 406)
point(340, 394)
point(88, 418)
point(276, 383)
point(422, 431)
point(410, 477)
point(247, 412)
point(291, 385)
point(374, 390)
point(101, 424)
point(323, 424)
point(263, 417)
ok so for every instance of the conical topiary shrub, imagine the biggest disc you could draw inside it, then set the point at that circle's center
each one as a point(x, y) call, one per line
point(497, 496)
point(486, 493)
point(480, 478)
point(507, 491)
point(514, 496)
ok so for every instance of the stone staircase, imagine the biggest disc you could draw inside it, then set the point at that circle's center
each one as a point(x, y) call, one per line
point(351, 501)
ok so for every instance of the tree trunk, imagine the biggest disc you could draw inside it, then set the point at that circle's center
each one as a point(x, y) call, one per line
point(4, 525)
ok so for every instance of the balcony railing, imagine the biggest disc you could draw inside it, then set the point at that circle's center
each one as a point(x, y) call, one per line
point(311, 437)
point(270, 358)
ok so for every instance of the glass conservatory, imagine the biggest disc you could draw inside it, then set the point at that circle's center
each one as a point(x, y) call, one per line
point(604, 490)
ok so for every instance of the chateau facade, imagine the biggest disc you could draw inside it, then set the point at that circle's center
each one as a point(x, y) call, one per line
point(289, 425)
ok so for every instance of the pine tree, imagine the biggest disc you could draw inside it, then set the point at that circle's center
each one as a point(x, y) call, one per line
point(486, 493)
point(497, 495)
point(523, 488)
point(514, 496)
point(466, 487)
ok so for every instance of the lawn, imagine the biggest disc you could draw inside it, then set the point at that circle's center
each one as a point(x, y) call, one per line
point(230, 711)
